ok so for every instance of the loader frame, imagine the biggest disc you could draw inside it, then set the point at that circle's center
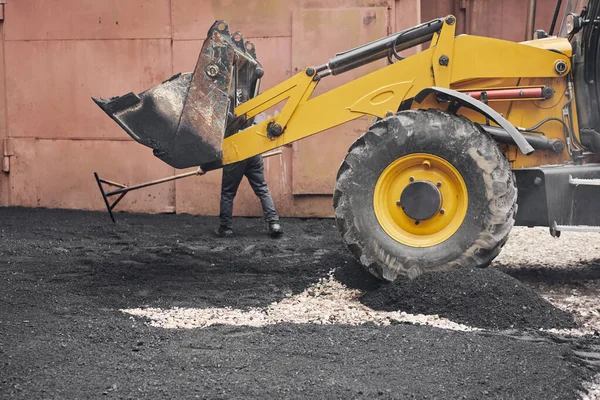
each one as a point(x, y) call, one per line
point(521, 94)
point(449, 61)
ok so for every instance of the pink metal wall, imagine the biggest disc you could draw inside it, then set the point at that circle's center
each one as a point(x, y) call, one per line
point(505, 19)
point(4, 150)
point(58, 53)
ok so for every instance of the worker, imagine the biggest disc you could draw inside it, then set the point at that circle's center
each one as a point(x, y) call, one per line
point(254, 170)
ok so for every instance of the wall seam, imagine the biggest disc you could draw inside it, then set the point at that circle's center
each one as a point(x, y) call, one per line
point(172, 73)
point(85, 39)
point(5, 94)
point(171, 38)
point(92, 139)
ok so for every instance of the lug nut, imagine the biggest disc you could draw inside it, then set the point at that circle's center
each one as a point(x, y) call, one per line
point(416, 222)
point(412, 179)
point(438, 184)
point(442, 211)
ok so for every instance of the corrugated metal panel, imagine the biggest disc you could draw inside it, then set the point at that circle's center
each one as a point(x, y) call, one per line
point(49, 83)
point(254, 18)
point(199, 195)
point(59, 174)
point(87, 19)
point(317, 35)
point(500, 19)
point(431, 9)
point(345, 3)
point(4, 178)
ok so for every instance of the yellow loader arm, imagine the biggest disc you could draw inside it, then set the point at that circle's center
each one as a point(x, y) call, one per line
point(206, 118)
point(448, 61)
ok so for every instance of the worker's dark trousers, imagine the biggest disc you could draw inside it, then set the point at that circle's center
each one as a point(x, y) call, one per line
point(254, 169)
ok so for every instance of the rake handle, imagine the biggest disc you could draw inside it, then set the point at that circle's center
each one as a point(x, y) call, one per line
point(151, 183)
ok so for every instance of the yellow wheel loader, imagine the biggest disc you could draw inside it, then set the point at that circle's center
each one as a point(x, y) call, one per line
point(470, 136)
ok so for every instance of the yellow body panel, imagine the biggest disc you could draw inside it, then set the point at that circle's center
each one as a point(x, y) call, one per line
point(552, 43)
point(473, 63)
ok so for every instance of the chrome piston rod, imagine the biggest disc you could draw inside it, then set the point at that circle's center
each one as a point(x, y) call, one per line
point(381, 48)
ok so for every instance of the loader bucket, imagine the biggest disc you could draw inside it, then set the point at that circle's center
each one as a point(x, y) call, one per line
point(184, 119)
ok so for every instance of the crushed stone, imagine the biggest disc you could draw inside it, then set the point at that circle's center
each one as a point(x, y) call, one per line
point(325, 303)
point(591, 389)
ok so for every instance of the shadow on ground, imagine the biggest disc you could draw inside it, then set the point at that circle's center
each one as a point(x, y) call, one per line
point(579, 273)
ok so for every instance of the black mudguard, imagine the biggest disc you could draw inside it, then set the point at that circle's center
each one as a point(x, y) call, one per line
point(484, 109)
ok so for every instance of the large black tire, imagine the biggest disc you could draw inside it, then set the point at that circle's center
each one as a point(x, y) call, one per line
point(471, 151)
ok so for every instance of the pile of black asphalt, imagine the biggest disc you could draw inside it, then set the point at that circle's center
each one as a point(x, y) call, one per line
point(483, 298)
point(66, 275)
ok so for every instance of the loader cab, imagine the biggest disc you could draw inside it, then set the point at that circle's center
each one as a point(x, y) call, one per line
point(581, 26)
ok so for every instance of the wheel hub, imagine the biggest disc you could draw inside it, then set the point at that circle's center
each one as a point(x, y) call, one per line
point(421, 200)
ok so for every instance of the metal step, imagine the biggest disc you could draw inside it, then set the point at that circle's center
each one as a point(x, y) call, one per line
point(584, 182)
point(576, 228)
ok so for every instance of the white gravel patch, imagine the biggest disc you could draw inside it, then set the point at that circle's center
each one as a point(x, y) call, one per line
point(592, 389)
point(330, 302)
point(584, 307)
point(535, 247)
point(325, 303)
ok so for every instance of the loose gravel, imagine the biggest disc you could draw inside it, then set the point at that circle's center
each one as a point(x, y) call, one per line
point(325, 303)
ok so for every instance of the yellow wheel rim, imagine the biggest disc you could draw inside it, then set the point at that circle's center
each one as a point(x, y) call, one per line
point(420, 167)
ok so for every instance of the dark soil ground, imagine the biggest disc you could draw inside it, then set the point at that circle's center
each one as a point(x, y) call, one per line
point(64, 275)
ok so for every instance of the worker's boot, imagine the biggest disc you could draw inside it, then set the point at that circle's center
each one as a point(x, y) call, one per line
point(275, 229)
point(224, 231)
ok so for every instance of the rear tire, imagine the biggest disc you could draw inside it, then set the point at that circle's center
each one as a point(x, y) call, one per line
point(476, 206)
